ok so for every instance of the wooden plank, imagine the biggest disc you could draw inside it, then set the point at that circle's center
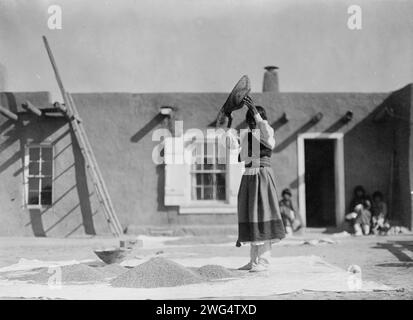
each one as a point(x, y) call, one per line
point(7, 113)
point(31, 108)
point(56, 72)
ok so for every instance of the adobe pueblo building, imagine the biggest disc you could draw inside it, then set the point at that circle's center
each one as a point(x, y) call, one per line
point(327, 143)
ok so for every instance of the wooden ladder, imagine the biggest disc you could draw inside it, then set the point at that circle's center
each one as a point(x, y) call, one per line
point(91, 163)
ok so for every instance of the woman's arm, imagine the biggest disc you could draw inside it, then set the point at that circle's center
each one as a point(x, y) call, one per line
point(266, 132)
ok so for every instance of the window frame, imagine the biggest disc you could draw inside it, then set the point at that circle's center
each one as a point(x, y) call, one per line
point(193, 171)
point(27, 176)
point(178, 177)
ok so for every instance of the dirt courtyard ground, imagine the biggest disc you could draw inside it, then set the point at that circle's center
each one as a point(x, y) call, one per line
point(384, 259)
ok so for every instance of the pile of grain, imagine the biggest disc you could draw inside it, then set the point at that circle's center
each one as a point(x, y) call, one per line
point(213, 272)
point(112, 270)
point(69, 274)
point(157, 272)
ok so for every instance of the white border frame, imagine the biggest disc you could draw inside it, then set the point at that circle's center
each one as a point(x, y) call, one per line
point(338, 173)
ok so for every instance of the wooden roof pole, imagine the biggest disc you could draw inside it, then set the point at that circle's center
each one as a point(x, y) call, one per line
point(7, 113)
point(29, 107)
point(85, 147)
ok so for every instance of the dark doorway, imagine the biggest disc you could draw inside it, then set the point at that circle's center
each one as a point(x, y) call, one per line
point(319, 182)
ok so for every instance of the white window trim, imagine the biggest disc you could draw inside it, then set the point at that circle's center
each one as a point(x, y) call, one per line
point(212, 208)
point(26, 175)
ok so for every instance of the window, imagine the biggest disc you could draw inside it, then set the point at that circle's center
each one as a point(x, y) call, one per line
point(39, 175)
point(208, 173)
point(206, 182)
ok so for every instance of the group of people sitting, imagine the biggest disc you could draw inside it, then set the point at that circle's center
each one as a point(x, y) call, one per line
point(368, 214)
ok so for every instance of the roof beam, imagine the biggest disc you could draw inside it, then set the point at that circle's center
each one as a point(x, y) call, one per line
point(31, 108)
point(7, 113)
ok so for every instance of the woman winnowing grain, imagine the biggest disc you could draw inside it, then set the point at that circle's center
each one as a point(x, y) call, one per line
point(259, 218)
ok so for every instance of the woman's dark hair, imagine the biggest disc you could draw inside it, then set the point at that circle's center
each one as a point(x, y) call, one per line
point(249, 117)
point(286, 191)
point(378, 194)
point(359, 188)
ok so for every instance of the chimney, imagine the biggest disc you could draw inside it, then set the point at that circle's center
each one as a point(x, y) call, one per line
point(270, 83)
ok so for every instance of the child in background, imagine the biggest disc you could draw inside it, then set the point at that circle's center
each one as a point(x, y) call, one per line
point(287, 212)
point(380, 224)
point(360, 197)
point(362, 221)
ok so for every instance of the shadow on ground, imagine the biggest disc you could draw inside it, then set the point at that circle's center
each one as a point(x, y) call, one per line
point(399, 249)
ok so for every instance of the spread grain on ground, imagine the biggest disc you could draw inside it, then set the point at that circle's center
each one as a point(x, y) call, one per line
point(215, 272)
point(160, 272)
point(157, 272)
point(69, 274)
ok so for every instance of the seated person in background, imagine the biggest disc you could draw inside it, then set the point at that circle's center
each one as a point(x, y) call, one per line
point(287, 212)
point(362, 221)
point(379, 220)
point(359, 197)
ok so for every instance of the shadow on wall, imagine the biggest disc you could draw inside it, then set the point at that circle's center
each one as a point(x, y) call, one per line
point(277, 124)
point(36, 222)
point(147, 128)
point(293, 137)
point(336, 126)
point(82, 187)
point(367, 154)
point(35, 129)
point(80, 225)
point(160, 172)
point(294, 184)
point(369, 157)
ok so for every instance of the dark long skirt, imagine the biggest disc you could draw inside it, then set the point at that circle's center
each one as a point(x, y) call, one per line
point(259, 217)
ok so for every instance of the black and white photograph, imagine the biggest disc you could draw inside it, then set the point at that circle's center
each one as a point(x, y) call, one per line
point(208, 150)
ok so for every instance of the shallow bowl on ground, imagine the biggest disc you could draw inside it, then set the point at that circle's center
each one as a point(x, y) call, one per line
point(112, 255)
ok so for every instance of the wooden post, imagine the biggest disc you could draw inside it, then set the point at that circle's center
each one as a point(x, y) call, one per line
point(7, 113)
point(31, 108)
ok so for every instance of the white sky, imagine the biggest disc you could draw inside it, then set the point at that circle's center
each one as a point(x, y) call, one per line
point(206, 45)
